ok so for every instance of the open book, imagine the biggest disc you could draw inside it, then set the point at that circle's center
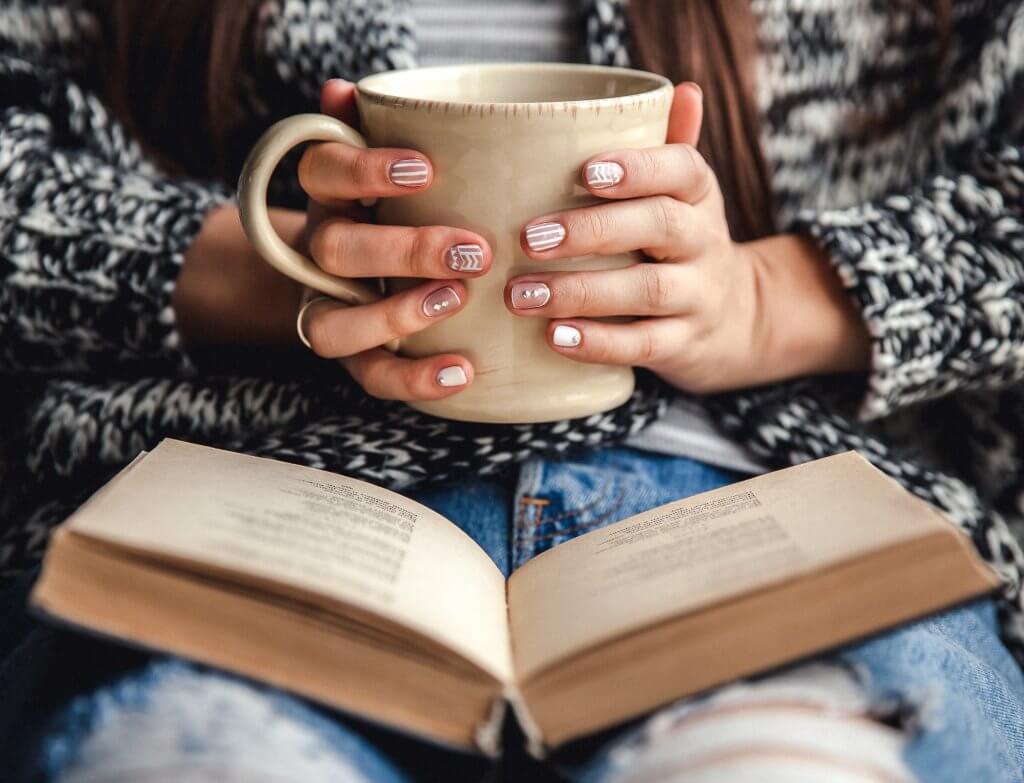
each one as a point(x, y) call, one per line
point(362, 599)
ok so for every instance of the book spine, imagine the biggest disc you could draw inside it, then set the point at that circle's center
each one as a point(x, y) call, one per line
point(534, 737)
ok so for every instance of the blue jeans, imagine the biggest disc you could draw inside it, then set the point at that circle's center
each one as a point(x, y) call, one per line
point(937, 700)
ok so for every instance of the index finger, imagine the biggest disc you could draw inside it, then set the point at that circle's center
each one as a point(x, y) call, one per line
point(331, 172)
point(338, 100)
point(676, 170)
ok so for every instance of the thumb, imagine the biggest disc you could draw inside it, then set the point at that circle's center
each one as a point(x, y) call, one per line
point(687, 115)
point(338, 99)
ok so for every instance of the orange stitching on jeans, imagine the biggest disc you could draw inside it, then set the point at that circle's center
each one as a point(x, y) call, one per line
point(576, 511)
point(528, 501)
point(616, 504)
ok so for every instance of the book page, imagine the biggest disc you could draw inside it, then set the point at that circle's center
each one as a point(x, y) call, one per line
point(313, 530)
point(687, 555)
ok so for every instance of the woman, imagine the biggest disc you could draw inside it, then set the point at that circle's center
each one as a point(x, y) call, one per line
point(845, 271)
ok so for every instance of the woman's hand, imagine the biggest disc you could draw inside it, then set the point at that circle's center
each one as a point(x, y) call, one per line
point(719, 314)
point(226, 294)
point(337, 177)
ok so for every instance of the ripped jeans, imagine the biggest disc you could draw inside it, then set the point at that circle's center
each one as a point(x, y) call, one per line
point(937, 700)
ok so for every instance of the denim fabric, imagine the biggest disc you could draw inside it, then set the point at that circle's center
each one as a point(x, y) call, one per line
point(948, 697)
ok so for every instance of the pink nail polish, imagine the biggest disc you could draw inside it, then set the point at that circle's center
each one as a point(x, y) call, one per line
point(465, 258)
point(604, 174)
point(440, 302)
point(544, 236)
point(527, 296)
point(409, 173)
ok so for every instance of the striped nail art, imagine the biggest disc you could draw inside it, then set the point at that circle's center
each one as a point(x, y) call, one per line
point(527, 296)
point(465, 258)
point(545, 236)
point(440, 302)
point(409, 173)
point(604, 174)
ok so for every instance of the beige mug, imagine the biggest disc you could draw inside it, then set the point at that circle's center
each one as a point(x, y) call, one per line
point(507, 143)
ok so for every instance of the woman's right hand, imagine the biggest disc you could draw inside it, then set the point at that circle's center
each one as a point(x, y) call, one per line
point(337, 177)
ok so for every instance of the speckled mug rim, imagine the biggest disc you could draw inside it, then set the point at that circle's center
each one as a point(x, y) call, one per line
point(657, 89)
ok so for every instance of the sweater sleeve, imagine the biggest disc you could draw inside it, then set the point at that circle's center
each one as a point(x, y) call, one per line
point(92, 234)
point(938, 274)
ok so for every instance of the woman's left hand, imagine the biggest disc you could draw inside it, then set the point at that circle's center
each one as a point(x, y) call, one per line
point(711, 303)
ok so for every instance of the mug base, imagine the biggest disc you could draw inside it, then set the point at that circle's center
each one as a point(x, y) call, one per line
point(514, 407)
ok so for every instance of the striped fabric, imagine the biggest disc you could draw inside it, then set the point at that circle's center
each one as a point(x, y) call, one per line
point(461, 31)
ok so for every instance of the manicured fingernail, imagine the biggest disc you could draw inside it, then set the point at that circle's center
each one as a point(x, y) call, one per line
point(441, 302)
point(604, 174)
point(452, 376)
point(527, 296)
point(566, 336)
point(545, 236)
point(409, 173)
point(465, 258)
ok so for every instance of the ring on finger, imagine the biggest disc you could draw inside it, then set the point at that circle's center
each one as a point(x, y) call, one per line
point(300, 319)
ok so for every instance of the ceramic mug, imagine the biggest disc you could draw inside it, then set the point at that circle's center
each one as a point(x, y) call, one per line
point(507, 144)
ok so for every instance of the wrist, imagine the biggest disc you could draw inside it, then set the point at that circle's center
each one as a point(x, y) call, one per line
point(810, 325)
point(226, 294)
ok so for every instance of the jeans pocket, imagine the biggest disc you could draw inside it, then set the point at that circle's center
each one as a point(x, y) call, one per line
point(565, 501)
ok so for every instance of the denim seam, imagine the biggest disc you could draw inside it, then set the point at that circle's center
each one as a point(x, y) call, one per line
point(576, 511)
point(530, 475)
point(616, 505)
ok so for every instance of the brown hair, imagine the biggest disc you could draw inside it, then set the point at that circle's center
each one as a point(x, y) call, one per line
point(173, 72)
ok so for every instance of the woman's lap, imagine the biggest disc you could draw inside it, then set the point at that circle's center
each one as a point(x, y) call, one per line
point(948, 687)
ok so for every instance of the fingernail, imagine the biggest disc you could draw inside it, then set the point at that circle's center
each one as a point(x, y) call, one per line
point(441, 302)
point(465, 258)
point(545, 236)
point(696, 88)
point(452, 376)
point(604, 174)
point(527, 296)
point(566, 336)
point(409, 173)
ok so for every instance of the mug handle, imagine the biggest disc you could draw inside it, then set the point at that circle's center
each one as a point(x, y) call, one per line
point(275, 143)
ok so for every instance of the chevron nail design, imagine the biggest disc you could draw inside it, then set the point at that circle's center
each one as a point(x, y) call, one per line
point(465, 258)
point(528, 296)
point(544, 236)
point(441, 302)
point(604, 174)
point(409, 173)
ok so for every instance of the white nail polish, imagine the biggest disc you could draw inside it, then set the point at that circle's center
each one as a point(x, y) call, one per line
point(545, 236)
point(409, 173)
point(452, 376)
point(566, 336)
point(604, 174)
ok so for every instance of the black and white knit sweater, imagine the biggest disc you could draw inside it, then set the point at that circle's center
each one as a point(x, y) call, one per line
point(924, 222)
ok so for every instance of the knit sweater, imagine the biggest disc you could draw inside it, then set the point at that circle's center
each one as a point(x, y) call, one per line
point(923, 219)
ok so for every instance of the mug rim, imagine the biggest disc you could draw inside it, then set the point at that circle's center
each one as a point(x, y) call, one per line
point(378, 94)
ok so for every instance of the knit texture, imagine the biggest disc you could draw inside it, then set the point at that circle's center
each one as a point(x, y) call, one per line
point(922, 217)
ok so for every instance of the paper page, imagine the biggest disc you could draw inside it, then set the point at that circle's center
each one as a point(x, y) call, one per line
point(689, 554)
point(319, 531)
